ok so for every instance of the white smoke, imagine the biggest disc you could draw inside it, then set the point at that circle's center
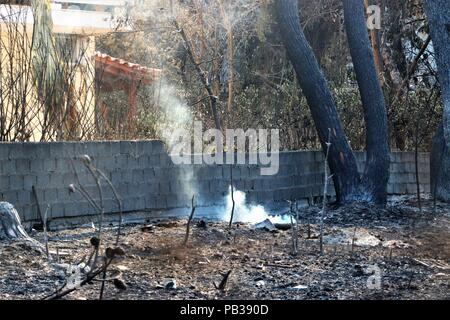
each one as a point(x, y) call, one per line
point(177, 122)
point(246, 213)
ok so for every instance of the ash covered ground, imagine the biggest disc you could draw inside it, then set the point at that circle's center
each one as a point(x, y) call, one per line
point(408, 249)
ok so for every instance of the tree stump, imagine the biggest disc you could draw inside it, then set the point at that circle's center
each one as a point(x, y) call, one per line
point(10, 226)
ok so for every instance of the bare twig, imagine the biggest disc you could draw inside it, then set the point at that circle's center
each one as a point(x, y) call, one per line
point(119, 204)
point(294, 228)
point(232, 197)
point(224, 281)
point(38, 206)
point(325, 187)
point(49, 257)
point(353, 240)
point(191, 217)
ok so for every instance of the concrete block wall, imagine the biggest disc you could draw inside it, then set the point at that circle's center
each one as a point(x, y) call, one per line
point(147, 180)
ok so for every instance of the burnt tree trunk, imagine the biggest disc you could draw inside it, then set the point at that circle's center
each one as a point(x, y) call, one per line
point(348, 183)
point(341, 160)
point(10, 225)
point(438, 12)
point(376, 174)
point(11, 228)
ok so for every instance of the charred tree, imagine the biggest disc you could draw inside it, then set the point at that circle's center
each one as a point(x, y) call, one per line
point(11, 228)
point(348, 183)
point(376, 174)
point(438, 12)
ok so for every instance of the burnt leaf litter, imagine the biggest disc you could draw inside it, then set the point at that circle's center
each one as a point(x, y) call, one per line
point(369, 253)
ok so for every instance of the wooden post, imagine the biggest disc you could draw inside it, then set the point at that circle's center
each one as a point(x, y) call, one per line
point(132, 106)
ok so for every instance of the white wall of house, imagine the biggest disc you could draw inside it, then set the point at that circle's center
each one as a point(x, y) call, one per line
point(68, 17)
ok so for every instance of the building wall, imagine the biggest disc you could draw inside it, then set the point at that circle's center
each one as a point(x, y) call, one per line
point(20, 105)
point(147, 180)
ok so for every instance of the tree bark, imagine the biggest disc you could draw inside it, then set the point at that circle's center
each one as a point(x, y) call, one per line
point(438, 12)
point(213, 99)
point(376, 174)
point(348, 183)
point(10, 225)
point(11, 228)
point(341, 160)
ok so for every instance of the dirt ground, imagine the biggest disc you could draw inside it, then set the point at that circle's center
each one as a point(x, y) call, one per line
point(408, 250)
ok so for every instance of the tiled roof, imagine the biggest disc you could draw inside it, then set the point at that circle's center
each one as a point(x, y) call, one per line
point(124, 69)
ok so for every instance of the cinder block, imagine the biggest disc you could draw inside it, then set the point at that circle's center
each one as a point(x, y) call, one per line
point(68, 179)
point(121, 161)
point(10, 196)
point(57, 149)
point(149, 175)
point(143, 162)
point(116, 177)
point(104, 149)
point(135, 190)
point(139, 204)
point(407, 157)
point(172, 201)
point(147, 147)
point(29, 213)
point(411, 188)
point(64, 165)
point(165, 160)
point(42, 150)
point(400, 188)
point(216, 172)
point(48, 165)
point(106, 164)
point(16, 182)
point(154, 161)
point(265, 196)
point(158, 147)
point(71, 209)
point(37, 165)
point(22, 166)
point(4, 183)
point(4, 151)
point(122, 189)
point(57, 210)
point(127, 176)
point(115, 148)
point(161, 202)
point(50, 195)
point(29, 181)
point(64, 195)
point(82, 209)
point(132, 162)
point(126, 147)
point(151, 188)
point(56, 180)
point(175, 186)
point(16, 151)
point(184, 201)
point(8, 166)
point(164, 188)
point(150, 202)
point(138, 176)
point(203, 186)
point(24, 197)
